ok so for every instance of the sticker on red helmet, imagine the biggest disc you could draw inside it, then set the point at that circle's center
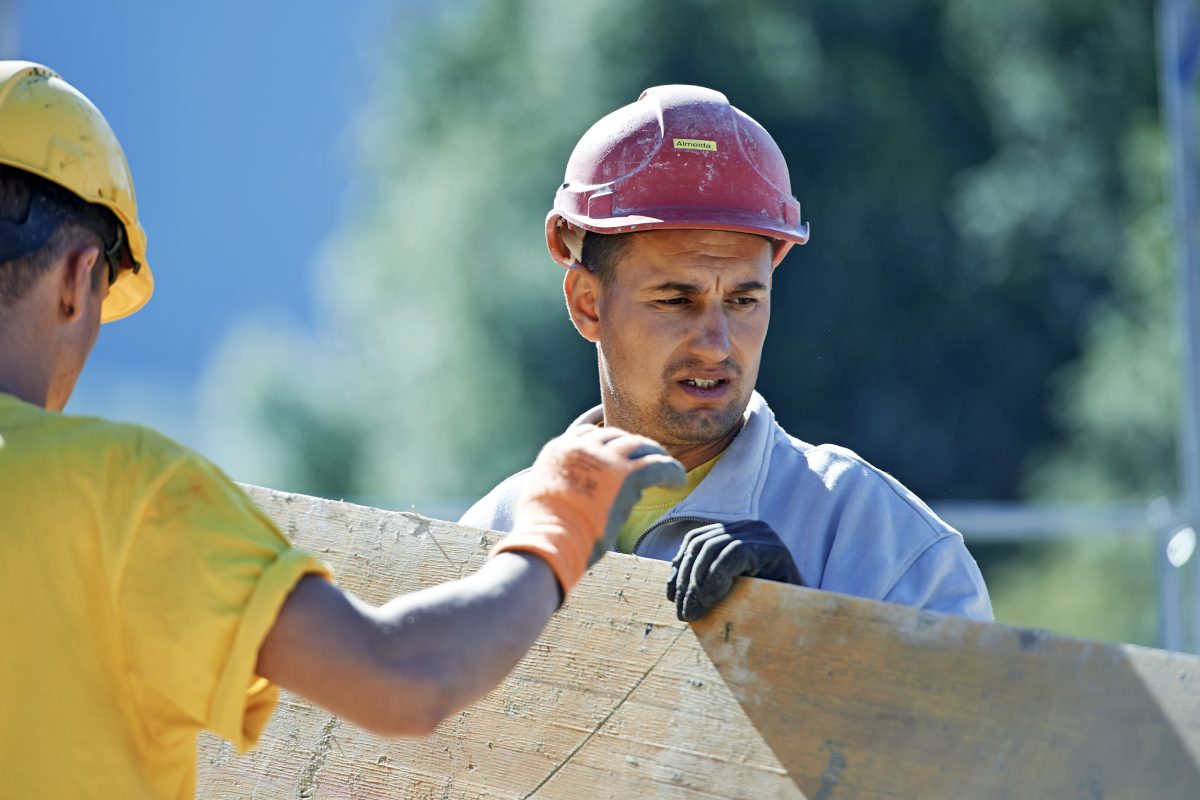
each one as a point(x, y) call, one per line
point(696, 144)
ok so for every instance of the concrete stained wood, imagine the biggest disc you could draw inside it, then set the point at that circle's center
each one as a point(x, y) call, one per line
point(781, 692)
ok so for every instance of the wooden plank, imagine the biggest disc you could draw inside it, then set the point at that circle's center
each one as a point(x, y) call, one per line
point(873, 700)
point(617, 699)
point(781, 692)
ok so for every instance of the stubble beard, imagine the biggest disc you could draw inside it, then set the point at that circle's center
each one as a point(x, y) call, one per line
point(664, 423)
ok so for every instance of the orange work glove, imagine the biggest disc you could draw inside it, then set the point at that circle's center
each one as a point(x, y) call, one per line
point(580, 492)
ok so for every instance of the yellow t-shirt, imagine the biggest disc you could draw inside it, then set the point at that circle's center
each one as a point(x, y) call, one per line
point(137, 584)
point(657, 501)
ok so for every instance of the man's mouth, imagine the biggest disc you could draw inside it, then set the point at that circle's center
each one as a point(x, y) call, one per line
point(703, 384)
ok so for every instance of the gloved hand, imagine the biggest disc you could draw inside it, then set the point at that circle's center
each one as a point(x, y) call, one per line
point(580, 491)
point(703, 570)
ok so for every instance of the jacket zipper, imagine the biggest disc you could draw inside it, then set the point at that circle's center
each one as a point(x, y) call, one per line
point(661, 522)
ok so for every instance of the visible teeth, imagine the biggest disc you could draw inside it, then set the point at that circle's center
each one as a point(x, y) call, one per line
point(703, 384)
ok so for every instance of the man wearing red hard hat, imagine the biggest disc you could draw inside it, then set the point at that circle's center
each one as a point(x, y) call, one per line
point(673, 215)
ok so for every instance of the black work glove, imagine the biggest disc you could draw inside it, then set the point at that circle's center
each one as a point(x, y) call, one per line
point(703, 570)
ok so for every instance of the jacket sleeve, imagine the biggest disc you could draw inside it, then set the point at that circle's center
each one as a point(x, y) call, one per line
point(944, 578)
point(495, 512)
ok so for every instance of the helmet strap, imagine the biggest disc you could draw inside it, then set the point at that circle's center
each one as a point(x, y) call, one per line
point(50, 208)
point(19, 239)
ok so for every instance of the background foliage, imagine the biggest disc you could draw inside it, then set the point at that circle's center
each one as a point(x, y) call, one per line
point(985, 308)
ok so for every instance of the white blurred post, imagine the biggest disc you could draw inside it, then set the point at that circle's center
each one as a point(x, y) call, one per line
point(10, 30)
point(1170, 607)
point(1179, 48)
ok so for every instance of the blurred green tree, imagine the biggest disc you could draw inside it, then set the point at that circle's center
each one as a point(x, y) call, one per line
point(983, 310)
point(1082, 169)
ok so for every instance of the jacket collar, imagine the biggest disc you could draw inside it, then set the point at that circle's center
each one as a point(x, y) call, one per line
point(732, 490)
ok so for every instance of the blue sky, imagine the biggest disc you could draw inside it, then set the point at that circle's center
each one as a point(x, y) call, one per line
point(236, 119)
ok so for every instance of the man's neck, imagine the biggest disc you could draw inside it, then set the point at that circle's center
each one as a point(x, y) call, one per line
point(26, 363)
point(693, 455)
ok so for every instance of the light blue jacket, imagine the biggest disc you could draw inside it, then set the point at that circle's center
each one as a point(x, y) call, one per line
point(850, 527)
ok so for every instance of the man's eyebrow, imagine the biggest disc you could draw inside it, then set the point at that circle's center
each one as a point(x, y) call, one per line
point(682, 288)
point(695, 288)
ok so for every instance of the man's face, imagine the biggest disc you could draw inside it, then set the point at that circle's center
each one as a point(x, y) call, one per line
point(680, 331)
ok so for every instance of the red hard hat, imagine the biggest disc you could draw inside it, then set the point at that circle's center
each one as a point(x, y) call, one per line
point(680, 157)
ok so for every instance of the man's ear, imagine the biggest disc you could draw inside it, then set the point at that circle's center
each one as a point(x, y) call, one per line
point(75, 289)
point(582, 289)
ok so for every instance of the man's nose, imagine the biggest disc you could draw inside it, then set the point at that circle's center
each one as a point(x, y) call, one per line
point(710, 339)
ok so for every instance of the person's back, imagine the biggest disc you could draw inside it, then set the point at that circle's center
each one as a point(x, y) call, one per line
point(138, 582)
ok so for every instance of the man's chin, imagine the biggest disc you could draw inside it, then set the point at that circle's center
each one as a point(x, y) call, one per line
point(699, 425)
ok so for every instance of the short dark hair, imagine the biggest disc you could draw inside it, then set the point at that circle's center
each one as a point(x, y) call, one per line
point(18, 276)
point(602, 251)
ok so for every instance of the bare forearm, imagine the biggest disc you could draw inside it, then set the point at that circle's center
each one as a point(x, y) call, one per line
point(400, 669)
point(462, 638)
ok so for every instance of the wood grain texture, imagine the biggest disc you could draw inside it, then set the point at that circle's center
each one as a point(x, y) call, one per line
point(872, 700)
point(617, 699)
point(781, 692)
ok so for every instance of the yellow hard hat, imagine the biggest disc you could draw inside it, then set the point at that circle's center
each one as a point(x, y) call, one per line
point(48, 128)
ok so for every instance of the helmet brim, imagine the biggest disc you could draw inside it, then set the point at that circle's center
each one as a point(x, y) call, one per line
point(690, 218)
point(130, 292)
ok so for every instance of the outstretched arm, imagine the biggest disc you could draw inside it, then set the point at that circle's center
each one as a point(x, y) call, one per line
point(400, 669)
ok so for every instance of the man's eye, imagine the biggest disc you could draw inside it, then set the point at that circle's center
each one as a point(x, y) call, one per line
point(745, 301)
point(674, 301)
